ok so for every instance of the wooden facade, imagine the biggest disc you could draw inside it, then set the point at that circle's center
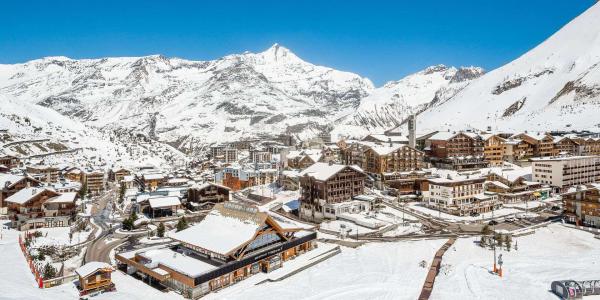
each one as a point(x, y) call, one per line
point(582, 206)
point(403, 158)
point(9, 161)
point(208, 194)
point(94, 277)
point(493, 150)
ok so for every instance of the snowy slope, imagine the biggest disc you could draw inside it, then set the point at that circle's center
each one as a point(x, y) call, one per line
point(554, 86)
point(244, 95)
point(27, 121)
point(390, 104)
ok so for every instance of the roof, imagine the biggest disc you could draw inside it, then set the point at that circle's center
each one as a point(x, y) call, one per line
point(209, 184)
point(91, 268)
point(499, 184)
point(225, 228)
point(63, 198)
point(181, 263)
point(561, 158)
point(9, 179)
point(154, 176)
point(164, 202)
point(26, 194)
point(387, 138)
point(323, 171)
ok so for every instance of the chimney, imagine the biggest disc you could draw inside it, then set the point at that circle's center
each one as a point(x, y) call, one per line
point(412, 128)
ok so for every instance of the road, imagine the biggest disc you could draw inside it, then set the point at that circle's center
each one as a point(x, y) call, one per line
point(102, 208)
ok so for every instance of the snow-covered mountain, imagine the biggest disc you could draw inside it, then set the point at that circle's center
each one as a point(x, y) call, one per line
point(556, 85)
point(171, 99)
point(390, 104)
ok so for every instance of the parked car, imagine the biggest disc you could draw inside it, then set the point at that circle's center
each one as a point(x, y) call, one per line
point(474, 214)
point(493, 222)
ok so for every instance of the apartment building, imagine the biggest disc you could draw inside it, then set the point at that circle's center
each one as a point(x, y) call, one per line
point(459, 195)
point(562, 172)
point(582, 206)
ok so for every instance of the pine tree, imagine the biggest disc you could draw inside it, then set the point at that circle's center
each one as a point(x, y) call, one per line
point(121, 193)
point(160, 231)
point(486, 230)
point(482, 242)
point(508, 242)
point(49, 271)
point(182, 224)
point(83, 191)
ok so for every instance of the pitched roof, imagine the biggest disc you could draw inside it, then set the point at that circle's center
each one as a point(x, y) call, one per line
point(323, 171)
point(164, 202)
point(26, 194)
point(63, 198)
point(224, 229)
point(91, 267)
point(9, 179)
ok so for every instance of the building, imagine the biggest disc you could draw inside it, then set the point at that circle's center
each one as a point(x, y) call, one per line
point(231, 243)
point(206, 195)
point(45, 174)
point(153, 180)
point(118, 174)
point(9, 161)
point(582, 206)
point(94, 277)
point(94, 181)
point(516, 150)
point(74, 174)
point(458, 151)
point(392, 158)
point(562, 172)
point(493, 150)
point(224, 153)
point(460, 195)
point(10, 184)
point(159, 206)
point(406, 183)
point(326, 183)
point(238, 177)
point(569, 146)
point(303, 159)
point(511, 185)
point(289, 180)
point(260, 155)
point(543, 143)
point(37, 207)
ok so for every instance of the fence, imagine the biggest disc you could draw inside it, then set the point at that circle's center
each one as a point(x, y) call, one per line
point(37, 273)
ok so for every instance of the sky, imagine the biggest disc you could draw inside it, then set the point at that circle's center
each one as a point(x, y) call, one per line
point(381, 40)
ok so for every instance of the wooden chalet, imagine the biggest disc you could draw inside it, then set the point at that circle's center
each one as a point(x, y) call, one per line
point(233, 242)
point(9, 161)
point(94, 277)
point(36, 207)
point(206, 195)
point(10, 184)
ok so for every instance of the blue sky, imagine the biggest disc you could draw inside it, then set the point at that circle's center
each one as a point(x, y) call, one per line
point(382, 40)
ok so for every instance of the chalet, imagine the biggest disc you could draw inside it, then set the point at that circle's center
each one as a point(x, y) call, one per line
point(392, 158)
point(493, 150)
point(74, 174)
point(458, 151)
point(206, 195)
point(543, 143)
point(406, 183)
point(289, 180)
point(10, 184)
point(323, 184)
point(37, 207)
point(94, 277)
point(233, 242)
point(118, 174)
point(303, 159)
point(582, 206)
point(9, 161)
point(159, 206)
point(511, 184)
point(153, 180)
point(460, 195)
point(566, 145)
point(516, 150)
point(591, 146)
point(46, 174)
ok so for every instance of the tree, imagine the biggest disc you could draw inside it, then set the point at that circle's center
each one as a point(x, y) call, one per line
point(127, 224)
point(482, 241)
point(83, 191)
point(160, 231)
point(486, 230)
point(498, 239)
point(508, 242)
point(49, 271)
point(133, 216)
point(121, 193)
point(182, 224)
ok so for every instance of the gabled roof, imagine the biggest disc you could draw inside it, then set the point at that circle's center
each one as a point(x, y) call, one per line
point(164, 201)
point(226, 228)
point(91, 268)
point(323, 171)
point(9, 179)
point(63, 198)
point(25, 195)
point(209, 184)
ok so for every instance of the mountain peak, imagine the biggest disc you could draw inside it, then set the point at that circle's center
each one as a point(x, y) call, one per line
point(278, 53)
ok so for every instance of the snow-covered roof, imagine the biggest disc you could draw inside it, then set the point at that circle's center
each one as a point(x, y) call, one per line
point(224, 229)
point(387, 138)
point(26, 194)
point(184, 264)
point(164, 202)
point(9, 179)
point(91, 267)
point(499, 184)
point(154, 176)
point(323, 171)
point(63, 198)
point(208, 184)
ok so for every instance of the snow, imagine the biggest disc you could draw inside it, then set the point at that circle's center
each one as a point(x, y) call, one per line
point(68, 197)
point(372, 271)
point(24, 195)
point(91, 267)
point(323, 171)
point(164, 202)
point(220, 233)
point(552, 253)
point(435, 213)
point(59, 236)
point(165, 256)
point(6, 178)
